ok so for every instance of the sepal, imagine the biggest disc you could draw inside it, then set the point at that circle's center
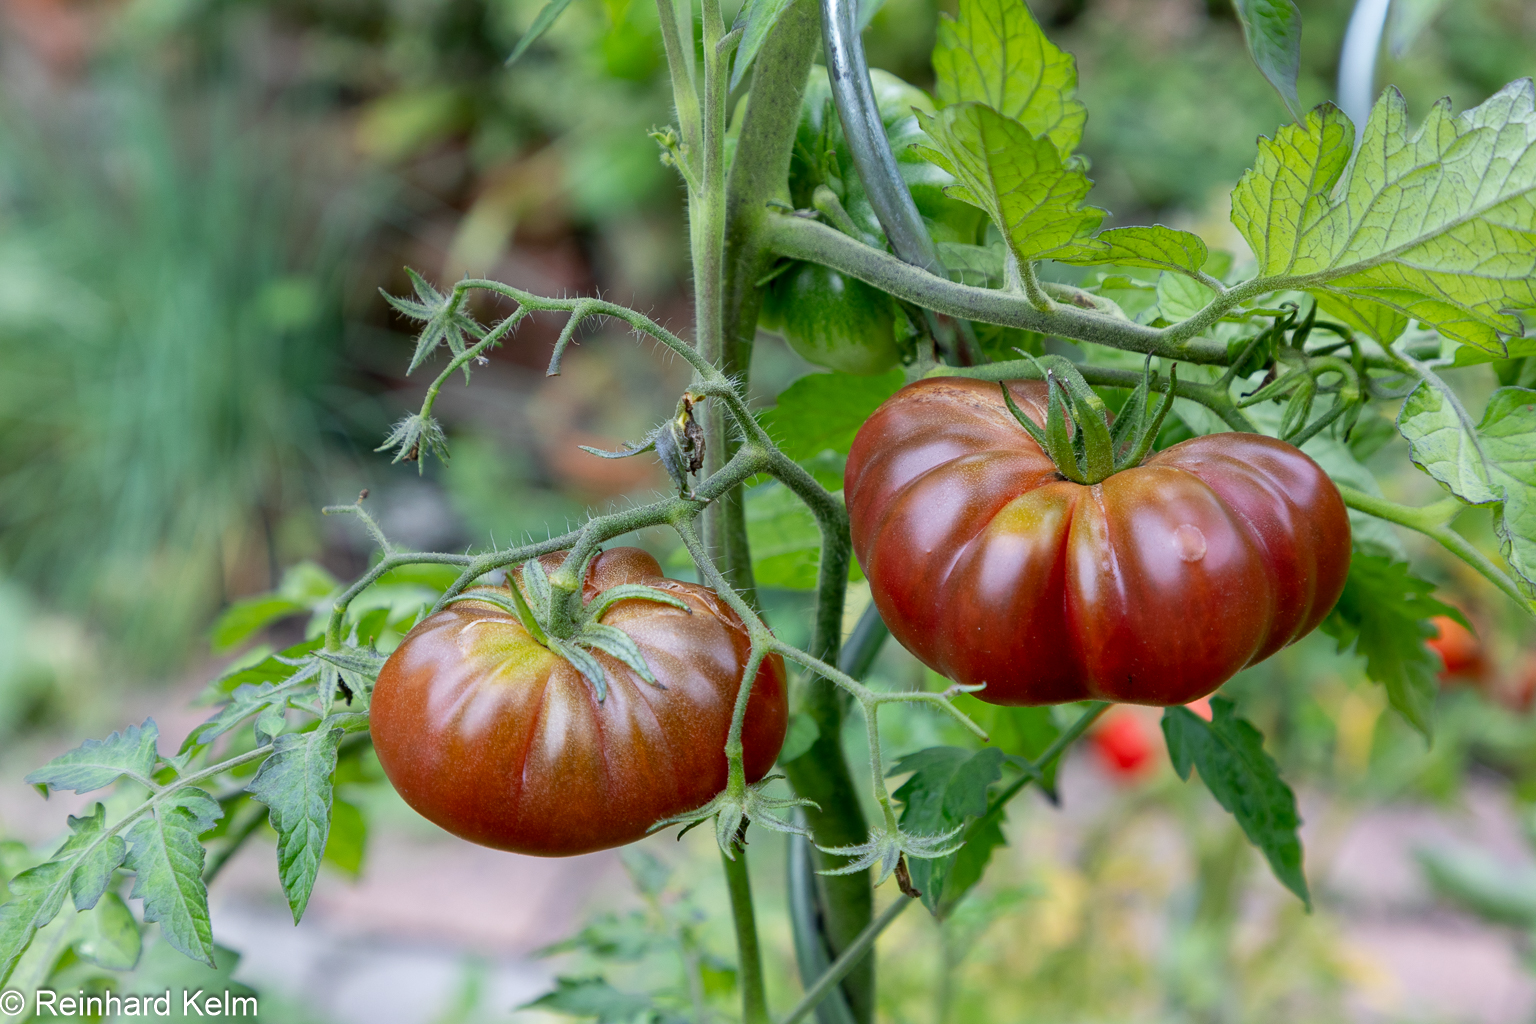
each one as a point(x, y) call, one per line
point(732, 813)
point(886, 846)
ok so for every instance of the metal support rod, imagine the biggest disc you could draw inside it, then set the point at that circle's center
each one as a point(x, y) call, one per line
point(854, 95)
point(855, 98)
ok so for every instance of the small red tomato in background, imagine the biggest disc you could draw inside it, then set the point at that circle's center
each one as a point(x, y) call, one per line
point(1459, 649)
point(1124, 743)
point(1127, 738)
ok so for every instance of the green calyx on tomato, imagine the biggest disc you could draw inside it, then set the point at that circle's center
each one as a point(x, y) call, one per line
point(499, 738)
point(574, 638)
point(1079, 438)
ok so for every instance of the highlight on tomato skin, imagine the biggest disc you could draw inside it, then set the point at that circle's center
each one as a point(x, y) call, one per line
point(501, 741)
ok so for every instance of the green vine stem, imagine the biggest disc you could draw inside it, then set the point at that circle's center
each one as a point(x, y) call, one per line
point(759, 174)
point(1212, 396)
point(846, 961)
point(803, 239)
point(677, 39)
point(1434, 522)
point(707, 220)
point(754, 993)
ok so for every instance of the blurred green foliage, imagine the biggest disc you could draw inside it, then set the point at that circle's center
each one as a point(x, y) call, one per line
point(168, 325)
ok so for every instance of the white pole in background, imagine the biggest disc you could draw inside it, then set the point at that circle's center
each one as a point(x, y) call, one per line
point(1357, 60)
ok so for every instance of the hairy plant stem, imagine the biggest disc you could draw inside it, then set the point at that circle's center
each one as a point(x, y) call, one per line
point(1082, 317)
point(677, 39)
point(759, 173)
point(1434, 522)
point(852, 955)
point(754, 994)
point(1213, 397)
point(707, 220)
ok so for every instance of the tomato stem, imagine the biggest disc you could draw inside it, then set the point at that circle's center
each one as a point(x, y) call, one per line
point(846, 961)
point(1434, 521)
point(754, 995)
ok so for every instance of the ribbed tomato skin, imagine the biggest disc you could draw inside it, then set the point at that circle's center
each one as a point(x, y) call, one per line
point(1153, 586)
point(501, 742)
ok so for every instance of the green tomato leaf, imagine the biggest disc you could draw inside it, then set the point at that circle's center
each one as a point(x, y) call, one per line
point(1491, 463)
point(295, 784)
point(81, 867)
point(1272, 30)
point(546, 17)
point(18, 924)
point(948, 787)
point(1519, 348)
point(244, 619)
point(112, 939)
point(785, 540)
point(167, 859)
point(1020, 180)
point(96, 764)
point(1017, 732)
point(1434, 224)
point(303, 587)
point(995, 54)
point(595, 998)
point(247, 700)
point(757, 19)
point(347, 843)
point(1180, 297)
point(823, 411)
point(1383, 613)
point(1229, 752)
point(1156, 246)
point(977, 265)
point(96, 856)
point(1383, 323)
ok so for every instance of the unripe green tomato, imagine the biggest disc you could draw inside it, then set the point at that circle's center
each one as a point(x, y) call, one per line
point(831, 320)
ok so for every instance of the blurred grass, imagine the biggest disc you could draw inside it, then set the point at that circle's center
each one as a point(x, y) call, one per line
point(168, 325)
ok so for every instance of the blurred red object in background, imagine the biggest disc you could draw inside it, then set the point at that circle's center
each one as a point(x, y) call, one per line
point(1459, 649)
point(1124, 743)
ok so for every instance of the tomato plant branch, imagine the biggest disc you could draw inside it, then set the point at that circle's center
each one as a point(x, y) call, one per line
point(1434, 522)
point(758, 174)
point(802, 239)
point(56, 891)
point(677, 39)
point(590, 307)
point(1038, 767)
point(754, 995)
point(707, 223)
point(846, 960)
point(1215, 398)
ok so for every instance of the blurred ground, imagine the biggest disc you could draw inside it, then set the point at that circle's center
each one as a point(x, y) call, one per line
point(436, 923)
